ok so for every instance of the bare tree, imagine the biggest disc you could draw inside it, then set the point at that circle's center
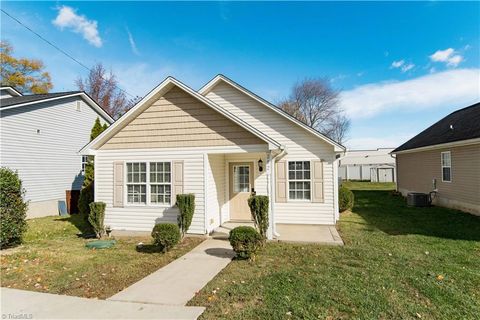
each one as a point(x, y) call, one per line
point(316, 103)
point(103, 88)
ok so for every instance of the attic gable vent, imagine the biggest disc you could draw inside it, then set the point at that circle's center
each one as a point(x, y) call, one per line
point(78, 106)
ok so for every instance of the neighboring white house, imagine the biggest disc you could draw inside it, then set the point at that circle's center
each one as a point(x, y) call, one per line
point(219, 143)
point(40, 136)
point(372, 165)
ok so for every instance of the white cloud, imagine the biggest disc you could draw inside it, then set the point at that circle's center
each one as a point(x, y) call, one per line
point(68, 18)
point(363, 143)
point(407, 67)
point(400, 64)
point(133, 45)
point(449, 56)
point(452, 87)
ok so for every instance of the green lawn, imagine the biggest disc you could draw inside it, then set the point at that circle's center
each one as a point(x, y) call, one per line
point(397, 263)
point(54, 259)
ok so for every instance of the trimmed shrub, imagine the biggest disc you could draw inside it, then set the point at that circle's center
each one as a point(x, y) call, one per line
point(13, 209)
point(84, 200)
point(245, 241)
point(186, 205)
point(96, 217)
point(259, 209)
point(166, 235)
point(345, 199)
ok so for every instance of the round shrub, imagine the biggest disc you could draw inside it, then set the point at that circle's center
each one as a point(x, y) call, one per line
point(245, 241)
point(166, 235)
point(345, 199)
point(13, 209)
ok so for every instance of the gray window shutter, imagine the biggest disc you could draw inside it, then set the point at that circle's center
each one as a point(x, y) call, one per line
point(177, 180)
point(317, 181)
point(118, 183)
point(281, 181)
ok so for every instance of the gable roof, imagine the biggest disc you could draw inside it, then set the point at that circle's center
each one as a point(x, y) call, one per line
point(221, 78)
point(11, 90)
point(463, 124)
point(157, 92)
point(15, 102)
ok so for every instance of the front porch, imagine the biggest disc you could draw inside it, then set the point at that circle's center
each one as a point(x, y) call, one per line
point(230, 180)
point(291, 233)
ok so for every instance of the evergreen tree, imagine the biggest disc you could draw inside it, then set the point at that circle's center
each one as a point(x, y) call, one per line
point(86, 194)
point(97, 129)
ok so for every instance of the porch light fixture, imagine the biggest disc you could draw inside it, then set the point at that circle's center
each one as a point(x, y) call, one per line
point(260, 165)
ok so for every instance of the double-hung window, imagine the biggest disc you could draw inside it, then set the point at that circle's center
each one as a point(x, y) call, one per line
point(446, 166)
point(148, 183)
point(299, 181)
point(137, 182)
point(84, 163)
point(160, 185)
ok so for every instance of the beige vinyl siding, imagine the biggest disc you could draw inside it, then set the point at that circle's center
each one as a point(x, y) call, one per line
point(300, 145)
point(416, 171)
point(142, 217)
point(179, 120)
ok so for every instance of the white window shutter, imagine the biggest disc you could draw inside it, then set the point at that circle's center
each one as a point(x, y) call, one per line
point(281, 181)
point(118, 183)
point(177, 180)
point(317, 181)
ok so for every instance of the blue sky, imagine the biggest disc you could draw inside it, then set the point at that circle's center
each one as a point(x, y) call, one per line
point(400, 66)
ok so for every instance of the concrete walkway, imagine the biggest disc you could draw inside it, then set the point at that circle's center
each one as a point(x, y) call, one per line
point(20, 304)
point(309, 233)
point(177, 282)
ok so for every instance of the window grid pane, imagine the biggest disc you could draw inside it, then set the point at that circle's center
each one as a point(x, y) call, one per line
point(136, 182)
point(160, 189)
point(241, 178)
point(299, 180)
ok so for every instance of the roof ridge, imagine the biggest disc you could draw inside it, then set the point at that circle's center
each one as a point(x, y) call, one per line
point(476, 104)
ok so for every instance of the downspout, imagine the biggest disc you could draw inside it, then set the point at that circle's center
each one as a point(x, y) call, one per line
point(336, 164)
point(271, 189)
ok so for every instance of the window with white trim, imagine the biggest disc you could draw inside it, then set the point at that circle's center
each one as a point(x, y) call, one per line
point(84, 163)
point(446, 166)
point(137, 183)
point(149, 183)
point(299, 181)
point(160, 185)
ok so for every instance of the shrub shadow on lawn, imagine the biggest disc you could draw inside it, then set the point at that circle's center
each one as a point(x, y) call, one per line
point(149, 248)
point(220, 252)
point(81, 224)
point(391, 215)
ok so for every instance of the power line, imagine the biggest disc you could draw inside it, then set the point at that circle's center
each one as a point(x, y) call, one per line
point(57, 48)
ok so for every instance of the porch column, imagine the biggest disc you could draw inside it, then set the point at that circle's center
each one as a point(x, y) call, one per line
point(270, 176)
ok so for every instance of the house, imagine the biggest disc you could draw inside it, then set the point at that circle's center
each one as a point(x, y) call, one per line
point(369, 165)
point(219, 143)
point(444, 159)
point(41, 135)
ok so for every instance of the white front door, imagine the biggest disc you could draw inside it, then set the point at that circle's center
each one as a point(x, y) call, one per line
point(241, 183)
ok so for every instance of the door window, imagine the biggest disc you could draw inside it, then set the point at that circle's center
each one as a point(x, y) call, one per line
point(241, 178)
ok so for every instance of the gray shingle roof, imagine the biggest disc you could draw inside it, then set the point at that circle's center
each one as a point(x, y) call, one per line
point(8, 102)
point(460, 125)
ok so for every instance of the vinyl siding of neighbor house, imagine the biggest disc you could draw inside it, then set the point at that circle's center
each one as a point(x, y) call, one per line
point(416, 171)
point(179, 120)
point(300, 145)
point(42, 141)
